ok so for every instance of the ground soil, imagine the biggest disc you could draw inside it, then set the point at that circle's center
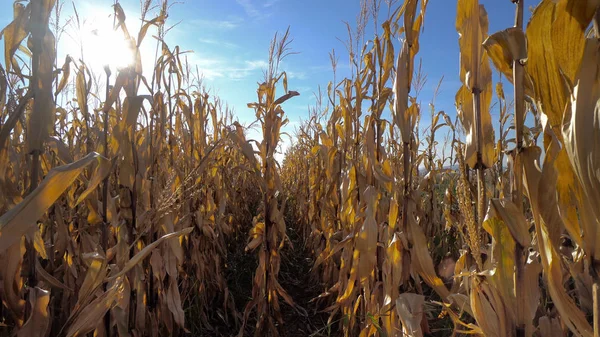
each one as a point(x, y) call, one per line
point(306, 319)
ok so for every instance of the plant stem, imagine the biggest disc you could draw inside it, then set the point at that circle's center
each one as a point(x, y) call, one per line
point(596, 297)
point(517, 188)
point(104, 233)
point(480, 166)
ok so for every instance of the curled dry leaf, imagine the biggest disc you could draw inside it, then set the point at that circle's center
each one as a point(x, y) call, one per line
point(476, 75)
point(38, 323)
point(410, 310)
point(23, 217)
point(555, 36)
point(423, 263)
point(141, 255)
point(513, 219)
point(15, 33)
point(581, 131)
point(12, 285)
point(571, 315)
point(87, 319)
point(488, 308)
point(505, 47)
point(366, 241)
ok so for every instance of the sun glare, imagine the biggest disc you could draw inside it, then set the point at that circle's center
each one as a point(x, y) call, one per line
point(101, 45)
point(107, 47)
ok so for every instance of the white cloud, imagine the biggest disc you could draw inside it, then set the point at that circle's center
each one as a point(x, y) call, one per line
point(208, 67)
point(305, 90)
point(258, 64)
point(270, 3)
point(213, 68)
point(299, 75)
point(228, 24)
point(249, 68)
point(221, 43)
point(257, 11)
point(249, 8)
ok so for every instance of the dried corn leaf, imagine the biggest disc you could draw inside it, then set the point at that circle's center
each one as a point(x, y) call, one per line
point(423, 263)
point(66, 73)
point(581, 130)
point(503, 264)
point(366, 241)
point(101, 172)
point(403, 117)
point(23, 217)
point(96, 272)
point(506, 46)
point(14, 34)
point(61, 149)
point(551, 261)
point(410, 310)
point(88, 318)
point(12, 284)
point(532, 291)
point(51, 280)
point(513, 219)
point(141, 255)
point(120, 311)
point(550, 327)
point(488, 308)
point(555, 35)
point(38, 323)
point(476, 75)
point(174, 303)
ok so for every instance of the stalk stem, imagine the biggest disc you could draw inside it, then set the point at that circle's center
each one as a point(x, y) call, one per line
point(517, 188)
point(596, 297)
point(104, 233)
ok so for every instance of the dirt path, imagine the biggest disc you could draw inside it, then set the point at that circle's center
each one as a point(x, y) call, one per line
point(306, 320)
point(295, 276)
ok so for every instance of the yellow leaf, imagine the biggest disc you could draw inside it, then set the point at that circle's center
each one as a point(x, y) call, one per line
point(137, 258)
point(393, 216)
point(38, 244)
point(423, 263)
point(96, 272)
point(66, 72)
point(476, 75)
point(514, 220)
point(581, 132)
point(403, 118)
point(571, 315)
point(12, 284)
point(506, 46)
point(410, 309)
point(366, 242)
point(101, 172)
point(555, 35)
point(21, 218)
point(488, 308)
point(15, 33)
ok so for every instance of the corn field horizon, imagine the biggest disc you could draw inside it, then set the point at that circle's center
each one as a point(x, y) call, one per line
point(134, 203)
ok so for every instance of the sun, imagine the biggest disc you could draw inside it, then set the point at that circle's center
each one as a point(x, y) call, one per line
point(99, 45)
point(104, 46)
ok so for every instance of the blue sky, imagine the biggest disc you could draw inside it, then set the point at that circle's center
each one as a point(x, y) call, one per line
point(230, 40)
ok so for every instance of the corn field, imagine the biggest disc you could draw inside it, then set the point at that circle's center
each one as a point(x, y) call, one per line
point(136, 205)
